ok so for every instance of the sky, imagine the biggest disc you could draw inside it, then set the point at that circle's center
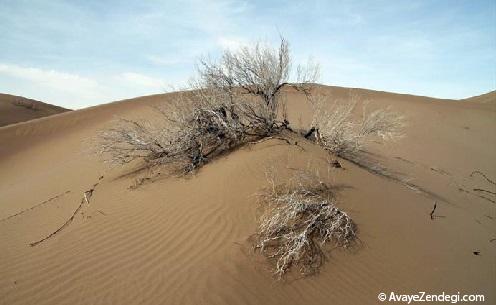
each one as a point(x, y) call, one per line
point(77, 54)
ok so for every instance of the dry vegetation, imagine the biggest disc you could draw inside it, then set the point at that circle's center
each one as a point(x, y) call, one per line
point(28, 104)
point(300, 221)
point(239, 99)
point(236, 100)
point(336, 130)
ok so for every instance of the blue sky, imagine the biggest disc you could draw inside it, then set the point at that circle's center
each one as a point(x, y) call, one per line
point(82, 53)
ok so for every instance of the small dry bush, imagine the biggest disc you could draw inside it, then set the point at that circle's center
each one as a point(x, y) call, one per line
point(340, 133)
point(28, 104)
point(299, 222)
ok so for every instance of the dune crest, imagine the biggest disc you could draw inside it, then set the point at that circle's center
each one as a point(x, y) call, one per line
point(15, 109)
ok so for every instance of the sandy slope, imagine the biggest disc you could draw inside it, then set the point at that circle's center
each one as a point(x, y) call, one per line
point(15, 109)
point(186, 241)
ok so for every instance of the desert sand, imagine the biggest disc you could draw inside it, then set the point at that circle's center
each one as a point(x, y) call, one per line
point(187, 240)
point(15, 109)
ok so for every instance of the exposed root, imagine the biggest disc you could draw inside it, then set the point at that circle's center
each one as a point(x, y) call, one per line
point(485, 198)
point(405, 160)
point(62, 227)
point(381, 171)
point(476, 194)
point(335, 163)
point(35, 206)
point(440, 171)
point(276, 137)
point(483, 175)
point(480, 190)
point(139, 182)
point(486, 191)
point(270, 138)
point(86, 199)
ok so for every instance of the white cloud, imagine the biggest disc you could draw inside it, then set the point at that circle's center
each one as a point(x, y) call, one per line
point(231, 43)
point(51, 78)
point(165, 61)
point(61, 88)
point(144, 81)
point(72, 90)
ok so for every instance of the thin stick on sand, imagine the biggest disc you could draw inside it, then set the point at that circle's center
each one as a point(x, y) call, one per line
point(433, 210)
point(482, 174)
point(86, 198)
point(35, 206)
point(62, 227)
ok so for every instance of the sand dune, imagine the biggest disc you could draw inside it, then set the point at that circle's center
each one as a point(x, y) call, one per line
point(487, 100)
point(187, 240)
point(15, 109)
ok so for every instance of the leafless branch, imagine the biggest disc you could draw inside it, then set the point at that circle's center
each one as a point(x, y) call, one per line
point(35, 206)
point(85, 199)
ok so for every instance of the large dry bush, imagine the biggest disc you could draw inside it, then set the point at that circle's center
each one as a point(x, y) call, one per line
point(337, 129)
point(234, 100)
point(300, 221)
point(187, 132)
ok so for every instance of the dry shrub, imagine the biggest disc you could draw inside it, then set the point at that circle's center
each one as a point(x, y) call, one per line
point(186, 133)
point(28, 104)
point(338, 132)
point(235, 100)
point(299, 222)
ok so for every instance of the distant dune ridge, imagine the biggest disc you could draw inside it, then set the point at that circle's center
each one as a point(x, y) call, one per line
point(487, 98)
point(15, 109)
point(187, 240)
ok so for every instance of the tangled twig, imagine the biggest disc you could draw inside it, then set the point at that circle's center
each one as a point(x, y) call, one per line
point(299, 221)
